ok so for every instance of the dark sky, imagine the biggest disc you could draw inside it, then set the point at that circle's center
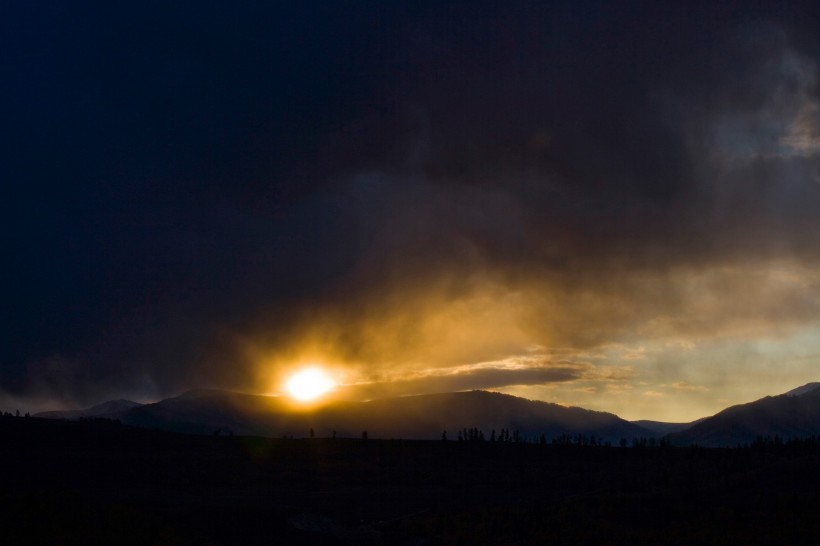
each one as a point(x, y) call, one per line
point(608, 204)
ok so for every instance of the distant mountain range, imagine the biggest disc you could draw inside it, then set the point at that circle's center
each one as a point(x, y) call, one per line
point(106, 409)
point(794, 414)
point(661, 428)
point(410, 417)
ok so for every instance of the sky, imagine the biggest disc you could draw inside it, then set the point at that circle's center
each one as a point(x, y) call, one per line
point(612, 205)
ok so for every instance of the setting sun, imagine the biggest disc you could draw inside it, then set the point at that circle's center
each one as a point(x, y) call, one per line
point(309, 384)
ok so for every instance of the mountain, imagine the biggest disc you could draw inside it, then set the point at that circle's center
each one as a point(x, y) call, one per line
point(108, 410)
point(410, 417)
point(799, 391)
point(429, 415)
point(795, 414)
point(661, 428)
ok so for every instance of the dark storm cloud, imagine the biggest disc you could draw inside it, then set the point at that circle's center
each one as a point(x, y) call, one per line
point(485, 378)
point(179, 177)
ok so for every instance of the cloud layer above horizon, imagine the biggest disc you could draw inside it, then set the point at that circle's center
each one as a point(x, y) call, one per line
point(611, 205)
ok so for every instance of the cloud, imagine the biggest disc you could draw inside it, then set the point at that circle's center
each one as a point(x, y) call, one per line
point(804, 135)
point(486, 378)
point(683, 385)
point(397, 195)
point(535, 367)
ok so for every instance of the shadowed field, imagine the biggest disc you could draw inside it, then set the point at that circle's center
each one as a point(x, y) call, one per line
point(98, 481)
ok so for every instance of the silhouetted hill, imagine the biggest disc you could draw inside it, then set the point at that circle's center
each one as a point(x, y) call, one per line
point(107, 410)
point(203, 411)
point(795, 414)
point(411, 417)
point(808, 387)
point(426, 416)
point(662, 428)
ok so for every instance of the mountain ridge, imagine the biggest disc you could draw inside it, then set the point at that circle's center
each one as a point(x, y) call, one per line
point(424, 416)
point(805, 389)
point(104, 409)
point(786, 416)
point(795, 413)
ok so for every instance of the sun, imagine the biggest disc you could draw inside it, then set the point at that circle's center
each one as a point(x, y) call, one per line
point(309, 384)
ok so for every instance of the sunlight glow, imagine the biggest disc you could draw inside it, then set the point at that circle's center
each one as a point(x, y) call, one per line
point(309, 384)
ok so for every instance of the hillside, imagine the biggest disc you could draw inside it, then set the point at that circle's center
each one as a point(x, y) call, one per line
point(662, 428)
point(792, 415)
point(411, 417)
point(108, 410)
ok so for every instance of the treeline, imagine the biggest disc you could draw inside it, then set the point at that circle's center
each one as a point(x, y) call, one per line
point(476, 435)
point(15, 414)
point(505, 435)
point(778, 442)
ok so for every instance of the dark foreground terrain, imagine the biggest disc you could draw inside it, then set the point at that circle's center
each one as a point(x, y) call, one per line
point(94, 482)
